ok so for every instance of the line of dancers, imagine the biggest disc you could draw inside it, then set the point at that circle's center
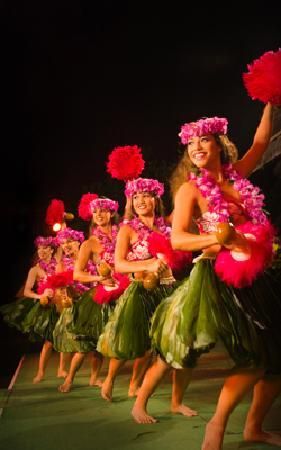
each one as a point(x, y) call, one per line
point(162, 293)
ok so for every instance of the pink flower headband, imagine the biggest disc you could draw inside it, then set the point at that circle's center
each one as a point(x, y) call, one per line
point(209, 125)
point(104, 203)
point(69, 234)
point(144, 185)
point(46, 241)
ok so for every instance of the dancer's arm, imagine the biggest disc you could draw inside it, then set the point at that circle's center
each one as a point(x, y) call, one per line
point(185, 201)
point(89, 247)
point(260, 143)
point(30, 283)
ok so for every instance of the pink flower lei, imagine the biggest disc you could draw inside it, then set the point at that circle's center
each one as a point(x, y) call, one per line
point(143, 230)
point(108, 244)
point(48, 267)
point(252, 199)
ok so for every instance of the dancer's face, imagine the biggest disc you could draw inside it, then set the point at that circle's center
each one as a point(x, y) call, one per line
point(101, 216)
point(44, 252)
point(203, 150)
point(143, 203)
point(70, 247)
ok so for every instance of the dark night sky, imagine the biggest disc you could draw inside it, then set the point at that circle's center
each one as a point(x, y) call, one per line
point(80, 80)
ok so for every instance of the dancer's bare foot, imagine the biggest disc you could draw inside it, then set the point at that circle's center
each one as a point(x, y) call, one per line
point(94, 381)
point(213, 439)
point(140, 415)
point(262, 436)
point(106, 390)
point(61, 373)
point(39, 377)
point(133, 391)
point(184, 410)
point(65, 387)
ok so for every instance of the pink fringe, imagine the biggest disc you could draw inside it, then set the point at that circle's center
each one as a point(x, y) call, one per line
point(101, 295)
point(177, 259)
point(242, 273)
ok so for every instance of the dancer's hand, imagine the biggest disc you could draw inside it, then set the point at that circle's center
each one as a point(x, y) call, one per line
point(239, 243)
point(43, 300)
point(107, 281)
point(225, 233)
point(158, 266)
point(48, 293)
point(212, 249)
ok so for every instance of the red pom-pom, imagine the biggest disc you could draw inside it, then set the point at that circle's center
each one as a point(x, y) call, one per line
point(60, 279)
point(84, 206)
point(263, 81)
point(125, 163)
point(177, 259)
point(55, 212)
point(104, 294)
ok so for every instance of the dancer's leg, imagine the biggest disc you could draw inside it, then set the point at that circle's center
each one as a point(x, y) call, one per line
point(97, 360)
point(113, 369)
point(151, 380)
point(139, 368)
point(181, 379)
point(234, 389)
point(65, 359)
point(76, 363)
point(43, 361)
point(265, 392)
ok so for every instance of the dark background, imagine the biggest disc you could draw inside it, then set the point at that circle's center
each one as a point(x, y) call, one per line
point(80, 79)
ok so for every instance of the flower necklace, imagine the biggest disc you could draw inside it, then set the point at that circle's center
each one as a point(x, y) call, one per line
point(252, 199)
point(144, 231)
point(68, 262)
point(48, 266)
point(108, 243)
point(139, 249)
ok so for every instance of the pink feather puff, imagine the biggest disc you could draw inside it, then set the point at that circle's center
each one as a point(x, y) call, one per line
point(177, 259)
point(102, 295)
point(242, 273)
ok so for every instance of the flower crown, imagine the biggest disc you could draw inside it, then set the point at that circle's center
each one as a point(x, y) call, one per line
point(46, 241)
point(144, 185)
point(209, 125)
point(69, 234)
point(104, 203)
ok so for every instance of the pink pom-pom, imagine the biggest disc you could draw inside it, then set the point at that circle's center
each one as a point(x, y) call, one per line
point(84, 210)
point(242, 273)
point(55, 212)
point(104, 295)
point(125, 163)
point(263, 81)
point(177, 259)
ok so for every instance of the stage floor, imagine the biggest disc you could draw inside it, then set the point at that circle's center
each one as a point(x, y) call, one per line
point(38, 417)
